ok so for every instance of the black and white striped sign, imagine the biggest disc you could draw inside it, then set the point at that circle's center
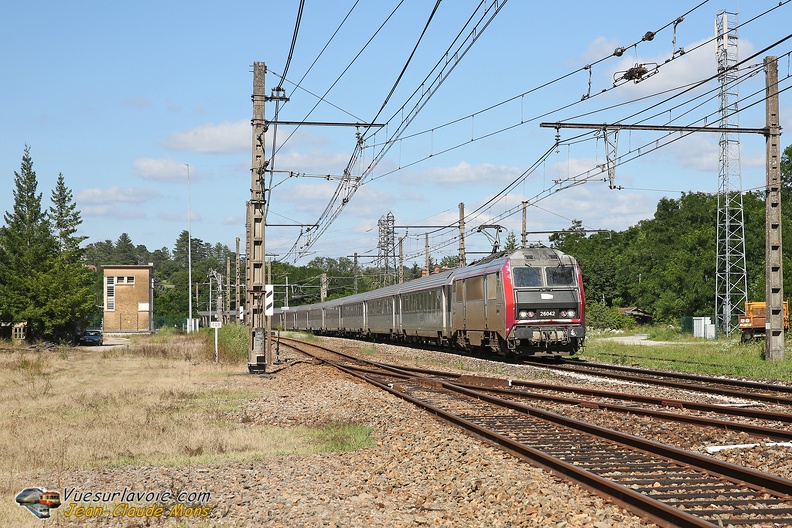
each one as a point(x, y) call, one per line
point(269, 300)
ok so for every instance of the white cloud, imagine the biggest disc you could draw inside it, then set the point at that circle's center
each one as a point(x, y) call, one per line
point(313, 162)
point(99, 197)
point(598, 48)
point(596, 206)
point(179, 217)
point(229, 136)
point(164, 170)
point(463, 173)
point(112, 211)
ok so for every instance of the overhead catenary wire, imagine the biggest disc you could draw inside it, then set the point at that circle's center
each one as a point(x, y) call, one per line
point(569, 182)
point(348, 186)
point(279, 88)
point(371, 178)
point(576, 181)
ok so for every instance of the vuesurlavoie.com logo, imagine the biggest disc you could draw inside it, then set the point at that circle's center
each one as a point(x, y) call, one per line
point(38, 501)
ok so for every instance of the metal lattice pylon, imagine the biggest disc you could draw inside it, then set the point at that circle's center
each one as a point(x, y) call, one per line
point(387, 250)
point(731, 282)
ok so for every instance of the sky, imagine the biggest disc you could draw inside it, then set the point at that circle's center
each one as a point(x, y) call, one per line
point(145, 108)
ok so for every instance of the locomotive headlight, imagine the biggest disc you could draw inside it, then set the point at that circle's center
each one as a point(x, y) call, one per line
point(568, 313)
point(524, 314)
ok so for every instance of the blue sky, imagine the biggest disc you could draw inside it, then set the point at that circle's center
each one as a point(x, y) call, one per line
point(121, 97)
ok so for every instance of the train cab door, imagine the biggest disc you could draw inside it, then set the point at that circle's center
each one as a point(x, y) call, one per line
point(458, 305)
point(397, 314)
point(494, 315)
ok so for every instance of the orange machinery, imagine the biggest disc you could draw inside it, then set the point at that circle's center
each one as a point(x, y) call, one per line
point(752, 324)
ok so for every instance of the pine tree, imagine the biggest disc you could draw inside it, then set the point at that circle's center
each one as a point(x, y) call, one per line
point(74, 291)
point(26, 247)
point(66, 219)
point(125, 253)
point(42, 280)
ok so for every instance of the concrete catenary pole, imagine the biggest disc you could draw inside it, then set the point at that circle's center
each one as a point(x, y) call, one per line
point(774, 272)
point(254, 246)
point(462, 256)
point(227, 302)
point(238, 286)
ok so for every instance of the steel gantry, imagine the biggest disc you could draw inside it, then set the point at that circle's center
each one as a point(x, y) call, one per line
point(774, 347)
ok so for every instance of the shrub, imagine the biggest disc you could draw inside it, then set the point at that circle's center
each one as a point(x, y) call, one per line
point(603, 317)
point(232, 343)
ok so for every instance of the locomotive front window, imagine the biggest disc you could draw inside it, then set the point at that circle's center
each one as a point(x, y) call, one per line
point(527, 277)
point(560, 276)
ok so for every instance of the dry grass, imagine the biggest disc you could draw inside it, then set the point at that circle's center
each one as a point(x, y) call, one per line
point(152, 403)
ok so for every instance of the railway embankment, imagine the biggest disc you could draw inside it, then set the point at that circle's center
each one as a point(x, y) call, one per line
point(416, 471)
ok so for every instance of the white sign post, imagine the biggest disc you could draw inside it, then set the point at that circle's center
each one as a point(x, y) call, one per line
point(217, 325)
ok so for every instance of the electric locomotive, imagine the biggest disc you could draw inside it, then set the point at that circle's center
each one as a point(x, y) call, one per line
point(527, 301)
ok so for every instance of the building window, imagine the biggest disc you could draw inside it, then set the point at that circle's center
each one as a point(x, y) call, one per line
point(130, 280)
point(110, 294)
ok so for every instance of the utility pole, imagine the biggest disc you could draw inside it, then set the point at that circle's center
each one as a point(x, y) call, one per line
point(462, 256)
point(269, 300)
point(774, 280)
point(401, 261)
point(238, 286)
point(189, 256)
point(355, 271)
point(255, 224)
point(426, 244)
point(773, 269)
point(227, 302)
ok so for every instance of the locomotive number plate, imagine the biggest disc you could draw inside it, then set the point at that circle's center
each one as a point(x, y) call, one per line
point(546, 313)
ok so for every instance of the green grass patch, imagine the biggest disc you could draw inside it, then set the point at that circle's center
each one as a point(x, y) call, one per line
point(368, 350)
point(338, 437)
point(232, 343)
point(687, 354)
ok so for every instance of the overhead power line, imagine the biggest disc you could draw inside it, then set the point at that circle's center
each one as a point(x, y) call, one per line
point(351, 182)
point(348, 186)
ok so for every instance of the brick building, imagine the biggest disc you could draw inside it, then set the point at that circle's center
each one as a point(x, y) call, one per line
point(128, 299)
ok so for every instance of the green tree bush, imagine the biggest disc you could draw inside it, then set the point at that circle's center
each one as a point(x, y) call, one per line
point(43, 281)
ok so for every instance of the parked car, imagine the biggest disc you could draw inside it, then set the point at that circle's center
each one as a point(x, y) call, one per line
point(91, 337)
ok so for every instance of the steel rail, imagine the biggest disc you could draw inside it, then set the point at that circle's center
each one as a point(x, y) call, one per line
point(757, 385)
point(770, 398)
point(663, 513)
point(499, 387)
point(473, 380)
point(509, 387)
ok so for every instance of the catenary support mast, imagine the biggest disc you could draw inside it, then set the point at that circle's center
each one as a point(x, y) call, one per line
point(731, 278)
point(772, 132)
point(254, 226)
point(774, 280)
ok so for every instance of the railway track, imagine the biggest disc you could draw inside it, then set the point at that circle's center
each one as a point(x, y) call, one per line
point(774, 393)
point(670, 486)
point(757, 422)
